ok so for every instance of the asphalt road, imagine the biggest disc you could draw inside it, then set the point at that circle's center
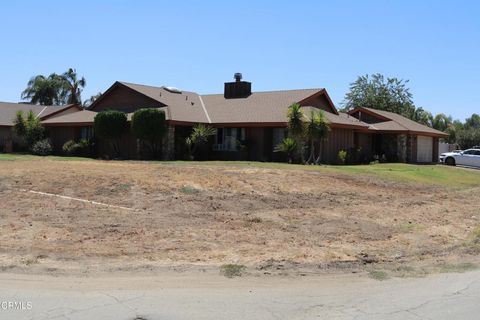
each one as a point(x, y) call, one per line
point(182, 297)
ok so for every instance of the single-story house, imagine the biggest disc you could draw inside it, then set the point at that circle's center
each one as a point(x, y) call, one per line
point(250, 124)
point(8, 113)
point(399, 138)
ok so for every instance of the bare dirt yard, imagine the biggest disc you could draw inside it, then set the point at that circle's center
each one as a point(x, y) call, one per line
point(270, 218)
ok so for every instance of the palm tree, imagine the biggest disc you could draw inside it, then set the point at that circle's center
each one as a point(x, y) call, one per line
point(296, 127)
point(198, 137)
point(44, 90)
point(72, 87)
point(422, 116)
point(287, 146)
point(441, 122)
point(316, 130)
point(87, 103)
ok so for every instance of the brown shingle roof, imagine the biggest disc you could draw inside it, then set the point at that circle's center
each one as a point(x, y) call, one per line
point(185, 106)
point(259, 107)
point(80, 117)
point(342, 119)
point(387, 126)
point(83, 117)
point(9, 110)
point(399, 123)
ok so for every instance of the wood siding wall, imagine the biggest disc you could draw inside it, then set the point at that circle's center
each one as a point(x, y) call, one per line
point(338, 139)
point(59, 135)
point(5, 139)
point(364, 142)
point(320, 102)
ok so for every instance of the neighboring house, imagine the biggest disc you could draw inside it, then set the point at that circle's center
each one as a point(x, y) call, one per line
point(398, 138)
point(8, 113)
point(250, 124)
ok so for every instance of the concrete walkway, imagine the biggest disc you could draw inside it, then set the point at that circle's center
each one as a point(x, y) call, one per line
point(182, 297)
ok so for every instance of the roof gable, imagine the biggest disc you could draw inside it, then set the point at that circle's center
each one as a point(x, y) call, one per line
point(185, 106)
point(321, 100)
point(396, 123)
point(123, 97)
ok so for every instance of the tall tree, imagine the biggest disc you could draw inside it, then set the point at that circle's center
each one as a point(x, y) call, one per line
point(473, 122)
point(72, 87)
point(44, 90)
point(378, 92)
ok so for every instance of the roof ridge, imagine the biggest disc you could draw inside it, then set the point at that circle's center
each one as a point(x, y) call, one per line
point(270, 91)
point(138, 84)
point(155, 87)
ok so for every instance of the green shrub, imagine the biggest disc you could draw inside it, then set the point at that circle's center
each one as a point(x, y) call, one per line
point(70, 147)
point(342, 156)
point(198, 138)
point(29, 129)
point(42, 148)
point(110, 125)
point(86, 147)
point(149, 125)
point(288, 146)
point(82, 148)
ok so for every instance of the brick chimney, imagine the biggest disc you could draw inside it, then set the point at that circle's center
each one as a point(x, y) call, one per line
point(237, 89)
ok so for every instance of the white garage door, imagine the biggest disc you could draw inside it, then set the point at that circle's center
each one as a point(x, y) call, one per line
point(424, 149)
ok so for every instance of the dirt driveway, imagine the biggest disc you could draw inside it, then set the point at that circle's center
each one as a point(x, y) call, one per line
point(202, 216)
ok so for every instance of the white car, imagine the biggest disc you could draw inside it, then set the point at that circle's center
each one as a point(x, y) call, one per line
point(470, 157)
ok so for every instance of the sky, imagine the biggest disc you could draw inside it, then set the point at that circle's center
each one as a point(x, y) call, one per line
point(199, 45)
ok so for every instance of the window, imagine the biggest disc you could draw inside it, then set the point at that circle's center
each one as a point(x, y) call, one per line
point(469, 152)
point(229, 139)
point(86, 132)
point(278, 135)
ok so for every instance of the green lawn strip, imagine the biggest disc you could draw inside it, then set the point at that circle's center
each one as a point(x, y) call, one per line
point(422, 174)
point(24, 157)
